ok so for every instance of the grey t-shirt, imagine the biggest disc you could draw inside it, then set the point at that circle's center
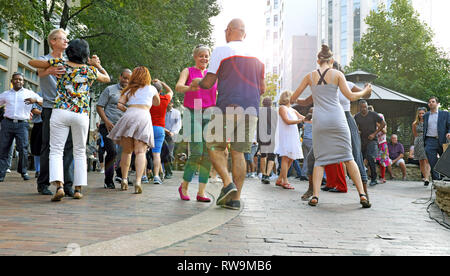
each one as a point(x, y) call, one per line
point(48, 86)
point(108, 100)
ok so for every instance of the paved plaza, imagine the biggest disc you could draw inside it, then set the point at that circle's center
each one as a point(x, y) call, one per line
point(272, 221)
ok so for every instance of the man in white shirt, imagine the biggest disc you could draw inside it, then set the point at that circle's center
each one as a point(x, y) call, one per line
point(18, 104)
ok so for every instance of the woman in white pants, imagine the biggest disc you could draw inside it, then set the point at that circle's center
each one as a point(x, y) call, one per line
point(71, 112)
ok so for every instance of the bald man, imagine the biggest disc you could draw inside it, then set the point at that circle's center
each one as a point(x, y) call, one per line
point(240, 77)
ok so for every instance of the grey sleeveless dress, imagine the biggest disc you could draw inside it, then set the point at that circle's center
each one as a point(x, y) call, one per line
point(331, 134)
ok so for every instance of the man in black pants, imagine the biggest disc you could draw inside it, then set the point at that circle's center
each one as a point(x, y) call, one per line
point(367, 124)
point(110, 115)
point(58, 42)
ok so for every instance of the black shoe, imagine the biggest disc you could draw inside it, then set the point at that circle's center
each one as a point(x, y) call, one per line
point(2, 179)
point(110, 186)
point(334, 190)
point(326, 189)
point(26, 177)
point(265, 180)
point(304, 178)
point(36, 175)
point(373, 183)
point(426, 183)
point(225, 192)
point(168, 176)
point(233, 205)
point(69, 192)
point(45, 191)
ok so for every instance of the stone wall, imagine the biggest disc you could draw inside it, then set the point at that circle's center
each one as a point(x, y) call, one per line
point(443, 195)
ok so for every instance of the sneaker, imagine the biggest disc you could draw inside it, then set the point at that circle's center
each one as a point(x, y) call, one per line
point(26, 177)
point(215, 180)
point(265, 180)
point(109, 186)
point(144, 180)
point(225, 192)
point(373, 183)
point(8, 171)
point(102, 171)
point(233, 205)
point(157, 180)
point(273, 177)
point(118, 179)
point(260, 176)
point(253, 176)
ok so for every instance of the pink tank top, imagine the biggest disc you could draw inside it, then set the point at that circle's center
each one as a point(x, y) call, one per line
point(208, 97)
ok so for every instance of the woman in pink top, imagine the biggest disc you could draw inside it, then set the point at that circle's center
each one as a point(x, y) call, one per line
point(197, 101)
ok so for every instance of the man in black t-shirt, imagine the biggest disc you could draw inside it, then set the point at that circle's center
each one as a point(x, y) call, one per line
point(367, 124)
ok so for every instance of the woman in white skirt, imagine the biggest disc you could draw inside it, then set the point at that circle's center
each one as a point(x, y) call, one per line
point(288, 144)
point(134, 131)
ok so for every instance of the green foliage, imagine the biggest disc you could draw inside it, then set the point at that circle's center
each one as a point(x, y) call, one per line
point(159, 34)
point(399, 48)
point(271, 86)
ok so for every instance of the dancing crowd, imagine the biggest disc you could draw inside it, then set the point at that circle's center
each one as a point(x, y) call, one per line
point(224, 116)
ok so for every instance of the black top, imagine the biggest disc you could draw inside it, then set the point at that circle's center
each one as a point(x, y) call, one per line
point(367, 125)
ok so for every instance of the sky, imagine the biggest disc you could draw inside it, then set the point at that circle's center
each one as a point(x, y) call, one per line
point(252, 12)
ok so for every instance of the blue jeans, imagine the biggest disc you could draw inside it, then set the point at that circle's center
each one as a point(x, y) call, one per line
point(19, 131)
point(296, 166)
point(432, 148)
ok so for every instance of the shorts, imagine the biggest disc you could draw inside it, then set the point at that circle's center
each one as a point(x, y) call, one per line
point(238, 131)
point(250, 155)
point(160, 135)
point(399, 162)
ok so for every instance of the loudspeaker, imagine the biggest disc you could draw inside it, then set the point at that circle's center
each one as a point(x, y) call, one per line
point(443, 164)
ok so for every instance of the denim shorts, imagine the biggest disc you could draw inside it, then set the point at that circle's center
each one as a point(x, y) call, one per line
point(160, 135)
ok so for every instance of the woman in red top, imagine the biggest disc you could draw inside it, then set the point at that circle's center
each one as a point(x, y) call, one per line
point(159, 123)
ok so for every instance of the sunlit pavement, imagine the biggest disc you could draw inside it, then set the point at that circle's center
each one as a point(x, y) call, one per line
point(272, 221)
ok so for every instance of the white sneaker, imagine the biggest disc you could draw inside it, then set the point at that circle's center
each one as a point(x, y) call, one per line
point(215, 180)
point(157, 180)
point(273, 177)
point(8, 171)
point(102, 171)
point(253, 176)
point(260, 176)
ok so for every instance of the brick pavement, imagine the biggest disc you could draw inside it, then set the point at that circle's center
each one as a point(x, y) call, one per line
point(32, 225)
point(272, 221)
point(276, 222)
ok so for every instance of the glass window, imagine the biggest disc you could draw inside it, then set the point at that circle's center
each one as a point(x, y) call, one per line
point(330, 24)
point(3, 81)
point(36, 48)
point(20, 69)
point(275, 4)
point(22, 44)
point(29, 45)
point(275, 20)
point(3, 61)
point(28, 74)
point(357, 20)
point(343, 31)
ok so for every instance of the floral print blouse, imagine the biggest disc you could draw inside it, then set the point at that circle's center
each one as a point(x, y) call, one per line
point(73, 87)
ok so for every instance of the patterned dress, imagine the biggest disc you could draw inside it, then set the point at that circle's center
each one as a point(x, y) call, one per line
point(419, 147)
point(73, 87)
point(383, 150)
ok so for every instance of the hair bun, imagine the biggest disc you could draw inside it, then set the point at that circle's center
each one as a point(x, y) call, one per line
point(325, 54)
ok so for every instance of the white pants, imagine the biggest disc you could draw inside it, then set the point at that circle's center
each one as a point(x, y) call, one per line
point(61, 122)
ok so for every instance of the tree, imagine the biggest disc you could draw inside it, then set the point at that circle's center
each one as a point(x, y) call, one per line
point(271, 86)
point(159, 34)
point(399, 48)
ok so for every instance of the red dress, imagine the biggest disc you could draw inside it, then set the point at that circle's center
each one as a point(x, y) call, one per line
point(336, 177)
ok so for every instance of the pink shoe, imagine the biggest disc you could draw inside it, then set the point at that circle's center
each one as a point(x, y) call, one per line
point(203, 199)
point(183, 197)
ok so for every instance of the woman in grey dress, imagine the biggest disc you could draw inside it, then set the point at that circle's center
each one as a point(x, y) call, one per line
point(419, 146)
point(331, 134)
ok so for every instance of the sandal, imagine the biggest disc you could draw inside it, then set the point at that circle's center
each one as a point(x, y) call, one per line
point(124, 185)
point(278, 183)
point(307, 195)
point(59, 195)
point(365, 202)
point(78, 194)
point(313, 204)
point(287, 186)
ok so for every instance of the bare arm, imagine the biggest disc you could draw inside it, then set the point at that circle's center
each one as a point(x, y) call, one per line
point(36, 111)
point(102, 75)
point(305, 83)
point(156, 100)
point(181, 86)
point(166, 88)
point(305, 102)
point(121, 105)
point(283, 114)
point(352, 96)
point(41, 64)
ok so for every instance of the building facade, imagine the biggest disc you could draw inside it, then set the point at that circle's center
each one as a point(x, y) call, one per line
point(290, 40)
point(14, 57)
point(341, 23)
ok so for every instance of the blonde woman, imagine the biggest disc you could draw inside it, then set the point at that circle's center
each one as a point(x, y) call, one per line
point(288, 144)
point(419, 147)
